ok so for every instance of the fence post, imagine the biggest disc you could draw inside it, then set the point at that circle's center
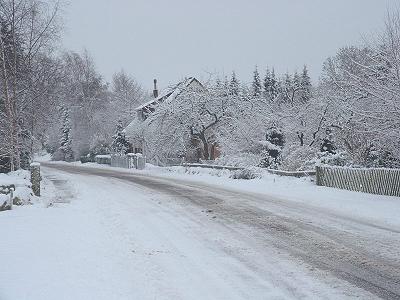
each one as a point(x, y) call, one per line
point(318, 175)
point(35, 178)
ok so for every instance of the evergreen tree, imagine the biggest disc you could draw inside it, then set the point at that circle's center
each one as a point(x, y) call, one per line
point(218, 82)
point(120, 145)
point(306, 86)
point(227, 86)
point(287, 88)
point(256, 85)
point(327, 144)
point(65, 140)
point(273, 148)
point(234, 84)
point(267, 85)
point(296, 81)
point(274, 86)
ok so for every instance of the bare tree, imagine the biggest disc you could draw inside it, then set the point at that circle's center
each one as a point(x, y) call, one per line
point(29, 30)
point(127, 94)
point(364, 86)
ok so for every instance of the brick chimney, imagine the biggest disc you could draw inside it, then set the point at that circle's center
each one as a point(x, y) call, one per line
point(155, 90)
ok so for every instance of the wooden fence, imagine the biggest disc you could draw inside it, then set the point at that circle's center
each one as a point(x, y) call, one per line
point(272, 171)
point(297, 174)
point(209, 166)
point(373, 181)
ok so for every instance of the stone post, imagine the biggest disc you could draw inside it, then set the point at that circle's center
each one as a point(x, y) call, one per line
point(11, 197)
point(35, 178)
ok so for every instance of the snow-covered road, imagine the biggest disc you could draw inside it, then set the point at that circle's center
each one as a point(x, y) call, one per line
point(136, 236)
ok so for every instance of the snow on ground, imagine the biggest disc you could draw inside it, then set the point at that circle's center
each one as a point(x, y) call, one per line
point(21, 180)
point(378, 208)
point(113, 240)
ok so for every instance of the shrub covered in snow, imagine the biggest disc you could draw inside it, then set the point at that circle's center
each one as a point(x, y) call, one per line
point(333, 159)
point(239, 160)
point(248, 173)
point(196, 171)
point(298, 158)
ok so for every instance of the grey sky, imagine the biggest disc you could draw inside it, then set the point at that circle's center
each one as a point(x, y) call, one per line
point(171, 39)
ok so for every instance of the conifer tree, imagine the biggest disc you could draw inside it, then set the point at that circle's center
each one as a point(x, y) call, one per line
point(120, 145)
point(65, 140)
point(274, 142)
point(287, 87)
point(256, 85)
point(234, 84)
point(226, 87)
point(296, 81)
point(306, 86)
point(267, 85)
point(327, 144)
point(274, 86)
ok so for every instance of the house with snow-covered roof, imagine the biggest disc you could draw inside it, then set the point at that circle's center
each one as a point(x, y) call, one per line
point(147, 108)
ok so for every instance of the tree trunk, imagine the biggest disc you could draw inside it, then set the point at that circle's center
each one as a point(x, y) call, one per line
point(206, 152)
point(8, 104)
point(300, 135)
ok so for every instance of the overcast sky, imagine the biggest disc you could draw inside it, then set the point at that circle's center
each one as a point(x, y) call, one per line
point(172, 39)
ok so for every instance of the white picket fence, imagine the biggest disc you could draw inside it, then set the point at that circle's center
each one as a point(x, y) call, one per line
point(373, 181)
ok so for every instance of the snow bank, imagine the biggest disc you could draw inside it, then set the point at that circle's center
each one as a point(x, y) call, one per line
point(21, 180)
point(4, 200)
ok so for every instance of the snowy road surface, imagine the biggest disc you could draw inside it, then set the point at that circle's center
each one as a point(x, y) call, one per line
point(137, 236)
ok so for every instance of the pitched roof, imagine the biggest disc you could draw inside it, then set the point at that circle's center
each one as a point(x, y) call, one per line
point(172, 90)
point(170, 93)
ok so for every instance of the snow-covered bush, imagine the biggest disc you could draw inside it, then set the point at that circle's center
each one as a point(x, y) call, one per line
point(248, 173)
point(98, 146)
point(199, 171)
point(239, 160)
point(333, 159)
point(298, 158)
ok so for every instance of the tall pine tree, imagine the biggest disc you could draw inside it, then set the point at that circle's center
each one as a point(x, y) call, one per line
point(287, 88)
point(234, 84)
point(65, 139)
point(274, 86)
point(305, 82)
point(256, 85)
point(267, 85)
